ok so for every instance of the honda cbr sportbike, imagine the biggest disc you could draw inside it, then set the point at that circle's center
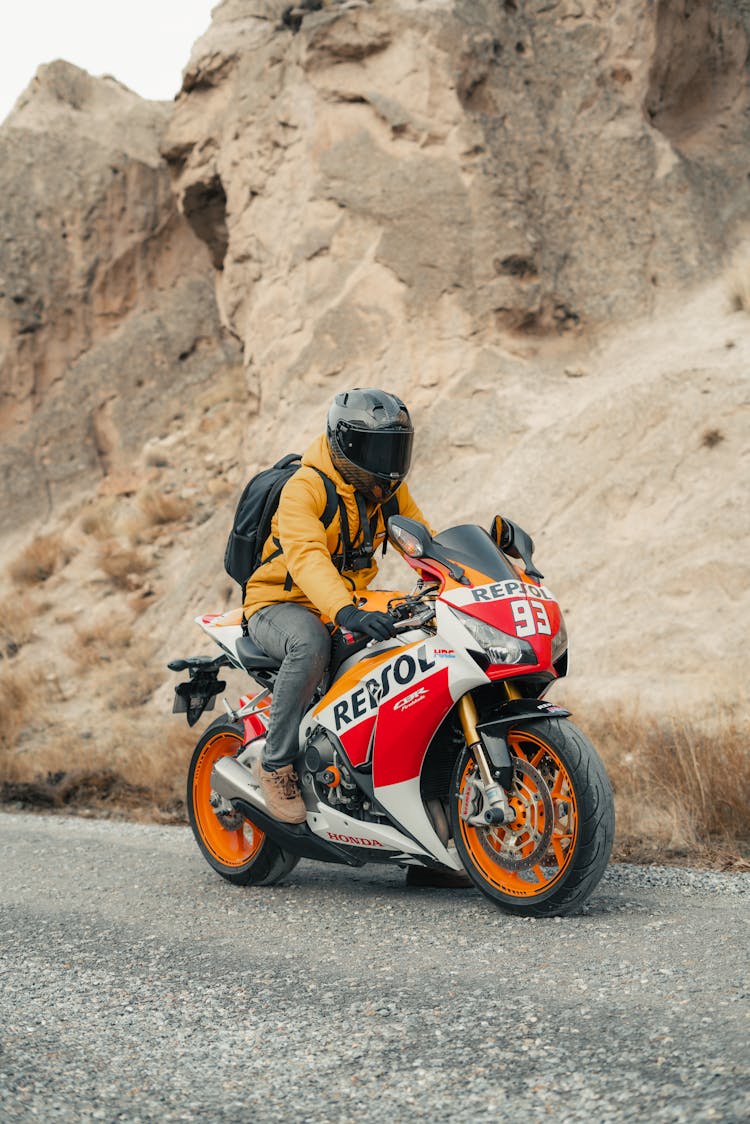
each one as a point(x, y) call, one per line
point(435, 748)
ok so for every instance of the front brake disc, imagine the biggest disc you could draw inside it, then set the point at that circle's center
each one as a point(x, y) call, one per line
point(524, 842)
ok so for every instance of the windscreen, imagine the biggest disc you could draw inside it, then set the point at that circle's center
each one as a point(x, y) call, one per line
point(469, 545)
point(384, 452)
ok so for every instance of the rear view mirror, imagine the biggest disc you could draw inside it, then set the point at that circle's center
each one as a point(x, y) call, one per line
point(513, 540)
point(416, 541)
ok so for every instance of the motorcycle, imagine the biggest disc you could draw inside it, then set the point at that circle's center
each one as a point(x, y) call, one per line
point(436, 748)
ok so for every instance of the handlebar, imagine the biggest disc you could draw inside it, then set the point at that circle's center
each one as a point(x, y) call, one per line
point(415, 621)
point(401, 624)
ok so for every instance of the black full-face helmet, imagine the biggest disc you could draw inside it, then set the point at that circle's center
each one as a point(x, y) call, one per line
point(370, 435)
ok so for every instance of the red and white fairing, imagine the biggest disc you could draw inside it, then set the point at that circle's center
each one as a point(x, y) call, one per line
point(389, 701)
point(387, 715)
point(386, 708)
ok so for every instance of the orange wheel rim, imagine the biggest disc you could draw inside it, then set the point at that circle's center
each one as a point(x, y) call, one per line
point(233, 841)
point(528, 856)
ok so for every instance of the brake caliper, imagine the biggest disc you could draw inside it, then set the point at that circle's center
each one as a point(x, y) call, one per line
point(472, 799)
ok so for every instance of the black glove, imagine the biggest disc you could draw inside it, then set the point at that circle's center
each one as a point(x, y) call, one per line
point(371, 623)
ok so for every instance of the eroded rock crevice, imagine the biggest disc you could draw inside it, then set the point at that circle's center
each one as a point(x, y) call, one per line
point(698, 75)
point(204, 205)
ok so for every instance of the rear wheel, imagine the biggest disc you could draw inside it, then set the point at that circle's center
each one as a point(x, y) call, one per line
point(549, 859)
point(236, 849)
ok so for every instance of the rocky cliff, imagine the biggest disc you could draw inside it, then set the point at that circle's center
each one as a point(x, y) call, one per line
point(515, 214)
point(107, 315)
point(400, 178)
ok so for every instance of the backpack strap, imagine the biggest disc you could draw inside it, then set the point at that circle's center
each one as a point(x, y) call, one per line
point(334, 503)
point(389, 508)
point(341, 562)
point(333, 499)
point(290, 458)
point(366, 526)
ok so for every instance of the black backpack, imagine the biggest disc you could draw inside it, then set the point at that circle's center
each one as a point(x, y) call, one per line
point(255, 511)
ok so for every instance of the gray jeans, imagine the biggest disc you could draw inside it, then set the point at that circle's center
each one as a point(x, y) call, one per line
point(296, 636)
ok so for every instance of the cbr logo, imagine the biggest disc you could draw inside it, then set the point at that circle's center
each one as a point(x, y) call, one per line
point(397, 674)
point(353, 841)
point(412, 699)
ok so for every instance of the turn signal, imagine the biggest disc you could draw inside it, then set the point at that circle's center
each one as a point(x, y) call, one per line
point(409, 543)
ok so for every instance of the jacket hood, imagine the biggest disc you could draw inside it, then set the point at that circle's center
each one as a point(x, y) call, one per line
point(318, 455)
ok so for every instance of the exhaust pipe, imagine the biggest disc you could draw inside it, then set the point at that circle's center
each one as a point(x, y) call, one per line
point(234, 782)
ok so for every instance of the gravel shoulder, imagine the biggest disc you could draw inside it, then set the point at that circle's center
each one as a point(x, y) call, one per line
point(136, 985)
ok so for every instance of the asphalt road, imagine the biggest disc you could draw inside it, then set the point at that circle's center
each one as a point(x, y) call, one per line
point(137, 985)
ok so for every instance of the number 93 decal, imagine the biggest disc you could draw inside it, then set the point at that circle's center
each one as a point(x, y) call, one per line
point(531, 618)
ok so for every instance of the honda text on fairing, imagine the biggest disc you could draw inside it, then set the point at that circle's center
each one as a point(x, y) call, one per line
point(435, 748)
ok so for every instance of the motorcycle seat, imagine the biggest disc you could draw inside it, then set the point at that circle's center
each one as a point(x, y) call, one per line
point(254, 658)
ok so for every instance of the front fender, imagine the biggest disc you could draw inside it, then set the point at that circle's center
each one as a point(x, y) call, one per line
point(526, 710)
point(493, 732)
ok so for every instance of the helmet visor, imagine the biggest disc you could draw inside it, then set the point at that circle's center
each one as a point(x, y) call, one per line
point(383, 452)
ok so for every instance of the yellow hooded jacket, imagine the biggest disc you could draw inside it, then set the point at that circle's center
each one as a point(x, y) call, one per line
point(304, 571)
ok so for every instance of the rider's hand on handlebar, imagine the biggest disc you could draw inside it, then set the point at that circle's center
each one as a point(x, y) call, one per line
point(378, 625)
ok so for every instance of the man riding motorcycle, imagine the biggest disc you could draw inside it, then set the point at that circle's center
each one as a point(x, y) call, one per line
point(309, 570)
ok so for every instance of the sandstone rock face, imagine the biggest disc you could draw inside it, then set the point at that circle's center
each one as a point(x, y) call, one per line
point(397, 179)
point(513, 213)
point(107, 314)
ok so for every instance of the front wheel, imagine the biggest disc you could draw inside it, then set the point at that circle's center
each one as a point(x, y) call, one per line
point(235, 848)
point(550, 858)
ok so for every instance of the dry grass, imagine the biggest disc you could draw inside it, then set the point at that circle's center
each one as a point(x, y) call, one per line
point(124, 566)
point(100, 641)
point(16, 693)
point(100, 519)
point(681, 789)
point(17, 616)
point(141, 600)
point(133, 768)
point(133, 686)
point(161, 508)
point(40, 559)
point(159, 762)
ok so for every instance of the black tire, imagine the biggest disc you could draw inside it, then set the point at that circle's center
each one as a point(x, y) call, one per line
point(234, 846)
point(549, 861)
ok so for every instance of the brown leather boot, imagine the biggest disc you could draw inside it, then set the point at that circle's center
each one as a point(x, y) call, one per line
point(281, 793)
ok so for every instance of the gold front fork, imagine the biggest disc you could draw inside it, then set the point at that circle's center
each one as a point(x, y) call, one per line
point(498, 810)
point(467, 712)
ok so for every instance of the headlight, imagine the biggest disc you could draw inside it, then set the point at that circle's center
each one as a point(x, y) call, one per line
point(559, 640)
point(499, 646)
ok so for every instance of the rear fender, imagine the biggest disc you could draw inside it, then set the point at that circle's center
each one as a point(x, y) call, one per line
point(198, 693)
